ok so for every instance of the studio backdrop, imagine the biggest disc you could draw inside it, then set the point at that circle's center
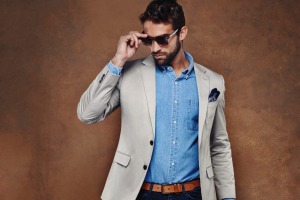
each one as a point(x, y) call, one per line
point(51, 51)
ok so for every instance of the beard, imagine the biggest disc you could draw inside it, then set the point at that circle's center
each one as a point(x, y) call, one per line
point(169, 56)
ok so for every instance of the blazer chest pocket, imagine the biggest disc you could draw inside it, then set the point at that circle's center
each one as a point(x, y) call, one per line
point(212, 104)
point(122, 159)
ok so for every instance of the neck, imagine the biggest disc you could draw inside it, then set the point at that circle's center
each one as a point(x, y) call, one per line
point(180, 63)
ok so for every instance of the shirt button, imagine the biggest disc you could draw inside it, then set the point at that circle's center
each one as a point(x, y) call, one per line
point(174, 122)
point(145, 167)
point(175, 101)
point(175, 82)
point(173, 163)
point(174, 142)
point(151, 142)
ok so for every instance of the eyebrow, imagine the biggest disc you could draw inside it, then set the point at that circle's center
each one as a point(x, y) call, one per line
point(158, 35)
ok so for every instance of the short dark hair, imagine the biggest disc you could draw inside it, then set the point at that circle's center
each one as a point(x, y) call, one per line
point(162, 11)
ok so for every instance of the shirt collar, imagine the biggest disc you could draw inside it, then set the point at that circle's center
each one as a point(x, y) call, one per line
point(191, 66)
point(187, 71)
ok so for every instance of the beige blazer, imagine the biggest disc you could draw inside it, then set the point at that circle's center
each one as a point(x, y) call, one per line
point(135, 92)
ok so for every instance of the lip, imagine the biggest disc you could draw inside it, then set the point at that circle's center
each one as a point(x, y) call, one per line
point(158, 55)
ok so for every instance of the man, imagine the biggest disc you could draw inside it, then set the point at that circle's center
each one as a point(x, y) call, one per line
point(173, 142)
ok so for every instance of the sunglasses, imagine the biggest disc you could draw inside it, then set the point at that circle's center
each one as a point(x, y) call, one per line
point(161, 40)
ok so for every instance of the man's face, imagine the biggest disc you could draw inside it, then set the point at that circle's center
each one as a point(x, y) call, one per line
point(162, 54)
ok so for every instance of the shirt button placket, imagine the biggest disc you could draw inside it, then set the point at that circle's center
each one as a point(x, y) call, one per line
point(174, 130)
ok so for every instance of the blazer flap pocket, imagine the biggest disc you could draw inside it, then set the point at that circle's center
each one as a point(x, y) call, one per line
point(122, 158)
point(209, 172)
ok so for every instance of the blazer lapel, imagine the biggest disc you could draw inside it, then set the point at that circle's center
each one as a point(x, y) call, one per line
point(149, 80)
point(203, 92)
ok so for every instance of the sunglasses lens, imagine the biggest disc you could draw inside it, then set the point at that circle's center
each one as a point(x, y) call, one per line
point(162, 40)
point(146, 41)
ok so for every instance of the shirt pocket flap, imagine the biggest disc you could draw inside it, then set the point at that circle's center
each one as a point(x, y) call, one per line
point(209, 172)
point(122, 159)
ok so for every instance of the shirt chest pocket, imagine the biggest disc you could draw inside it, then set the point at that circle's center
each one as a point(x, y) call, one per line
point(192, 110)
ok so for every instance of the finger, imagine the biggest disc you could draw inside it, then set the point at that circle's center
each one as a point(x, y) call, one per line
point(127, 39)
point(136, 40)
point(141, 35)
point(132, 41)
point(138, 34)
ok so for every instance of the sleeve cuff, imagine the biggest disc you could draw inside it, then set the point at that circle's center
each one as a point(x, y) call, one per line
point(113, 69)
point(229, 199)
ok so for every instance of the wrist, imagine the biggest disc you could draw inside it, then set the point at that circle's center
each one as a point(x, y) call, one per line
point(118, 62)
point(113, 69)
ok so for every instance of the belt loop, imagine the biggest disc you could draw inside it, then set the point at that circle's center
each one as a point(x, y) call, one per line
point(151, 187)
point(182, 185)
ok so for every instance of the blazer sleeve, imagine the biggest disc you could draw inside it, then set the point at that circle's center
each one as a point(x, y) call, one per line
point(221, 152)
point(100, 99)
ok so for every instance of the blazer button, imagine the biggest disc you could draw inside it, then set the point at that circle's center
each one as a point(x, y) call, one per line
point(151, 142)
point(145, 167)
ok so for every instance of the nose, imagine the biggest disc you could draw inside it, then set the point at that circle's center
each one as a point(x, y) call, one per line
point(155, 47)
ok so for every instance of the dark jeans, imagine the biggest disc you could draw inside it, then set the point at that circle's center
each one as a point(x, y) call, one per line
point(190, 195)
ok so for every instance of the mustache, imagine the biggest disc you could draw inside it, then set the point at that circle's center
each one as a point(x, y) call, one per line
point(158, 53)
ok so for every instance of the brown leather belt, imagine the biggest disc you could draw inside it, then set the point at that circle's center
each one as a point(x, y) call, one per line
point(172, 188)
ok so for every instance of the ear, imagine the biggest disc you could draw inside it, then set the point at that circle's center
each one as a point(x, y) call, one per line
point(183, 33)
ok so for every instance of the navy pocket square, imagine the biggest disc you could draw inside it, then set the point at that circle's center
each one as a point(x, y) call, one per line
point(213, 96)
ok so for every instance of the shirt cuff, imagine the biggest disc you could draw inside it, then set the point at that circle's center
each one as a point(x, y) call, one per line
point(229, 199)
point(113, 69)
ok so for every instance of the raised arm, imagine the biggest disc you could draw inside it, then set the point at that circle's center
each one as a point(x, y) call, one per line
point(103, 95)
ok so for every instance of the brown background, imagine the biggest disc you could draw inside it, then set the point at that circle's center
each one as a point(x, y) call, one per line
point(52, 50)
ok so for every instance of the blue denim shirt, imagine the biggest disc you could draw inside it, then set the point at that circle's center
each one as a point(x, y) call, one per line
point(175, 153)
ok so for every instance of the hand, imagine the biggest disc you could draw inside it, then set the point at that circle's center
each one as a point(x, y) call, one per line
point(127, 47)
